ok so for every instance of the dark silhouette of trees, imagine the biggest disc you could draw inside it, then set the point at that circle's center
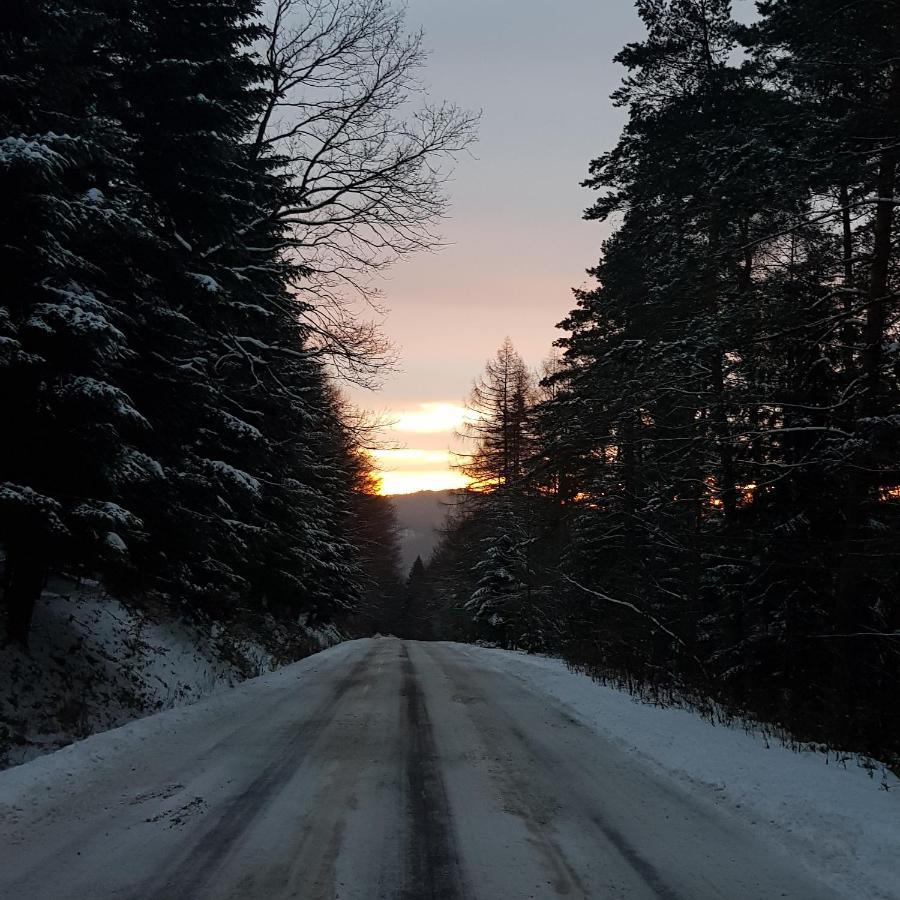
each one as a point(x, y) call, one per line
point(709, 500)
point(184, 223)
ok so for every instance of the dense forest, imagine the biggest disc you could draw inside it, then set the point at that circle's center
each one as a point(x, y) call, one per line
point(699, 496)
point(195, 195)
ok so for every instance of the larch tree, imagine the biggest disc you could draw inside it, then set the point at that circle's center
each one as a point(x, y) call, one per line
point(498, 424)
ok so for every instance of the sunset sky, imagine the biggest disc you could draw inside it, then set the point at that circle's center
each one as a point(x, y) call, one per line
point(541, 73)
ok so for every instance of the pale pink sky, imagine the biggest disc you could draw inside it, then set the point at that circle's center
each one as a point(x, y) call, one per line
point(541, 72)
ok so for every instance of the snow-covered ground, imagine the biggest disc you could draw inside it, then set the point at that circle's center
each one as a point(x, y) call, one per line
point(382, 768)
point(95, 663)
point(840, 816)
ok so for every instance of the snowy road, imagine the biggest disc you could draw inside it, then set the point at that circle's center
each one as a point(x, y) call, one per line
point(378, 769)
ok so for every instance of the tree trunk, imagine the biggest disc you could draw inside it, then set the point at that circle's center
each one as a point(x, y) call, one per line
point(847, 229)
point(876, 308)
point(719, 414)
point(24, 583)
point(848, 336)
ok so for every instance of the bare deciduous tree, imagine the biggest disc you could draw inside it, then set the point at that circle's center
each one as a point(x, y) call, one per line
point(347, 113)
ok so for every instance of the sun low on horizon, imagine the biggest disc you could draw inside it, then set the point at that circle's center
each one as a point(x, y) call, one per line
point(423, 447)
point(395, 484)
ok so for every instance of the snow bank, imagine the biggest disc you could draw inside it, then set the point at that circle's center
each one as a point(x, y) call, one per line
point(95, 664)
point(840, 816)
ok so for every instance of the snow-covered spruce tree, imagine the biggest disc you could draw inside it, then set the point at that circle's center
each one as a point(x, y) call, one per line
point(189, 82)
point(507, 601)
point(451, 574)
point(251, 514)
point(72, 236)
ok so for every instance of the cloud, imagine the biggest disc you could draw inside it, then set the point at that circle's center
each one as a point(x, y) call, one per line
point(431, 418)
point(413, 459)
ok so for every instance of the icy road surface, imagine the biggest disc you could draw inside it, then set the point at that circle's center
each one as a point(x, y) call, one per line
point(380, 768)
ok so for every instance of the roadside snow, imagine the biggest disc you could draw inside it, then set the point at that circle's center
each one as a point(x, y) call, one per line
point(841, 817)
point(345, 773)
point(95, 664)
point(111, 755)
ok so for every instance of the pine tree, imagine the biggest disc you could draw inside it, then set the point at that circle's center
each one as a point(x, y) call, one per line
point(715, 408)
point(842, 66)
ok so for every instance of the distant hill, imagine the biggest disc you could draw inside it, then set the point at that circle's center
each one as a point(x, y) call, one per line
point(420, 515)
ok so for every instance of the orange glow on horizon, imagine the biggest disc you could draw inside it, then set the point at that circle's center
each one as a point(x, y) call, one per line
point(393, 483)
point(408, 470)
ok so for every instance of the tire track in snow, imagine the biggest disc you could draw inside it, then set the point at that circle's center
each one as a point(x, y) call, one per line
point(237, 814)
point(535, 802)
point(434, 860)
